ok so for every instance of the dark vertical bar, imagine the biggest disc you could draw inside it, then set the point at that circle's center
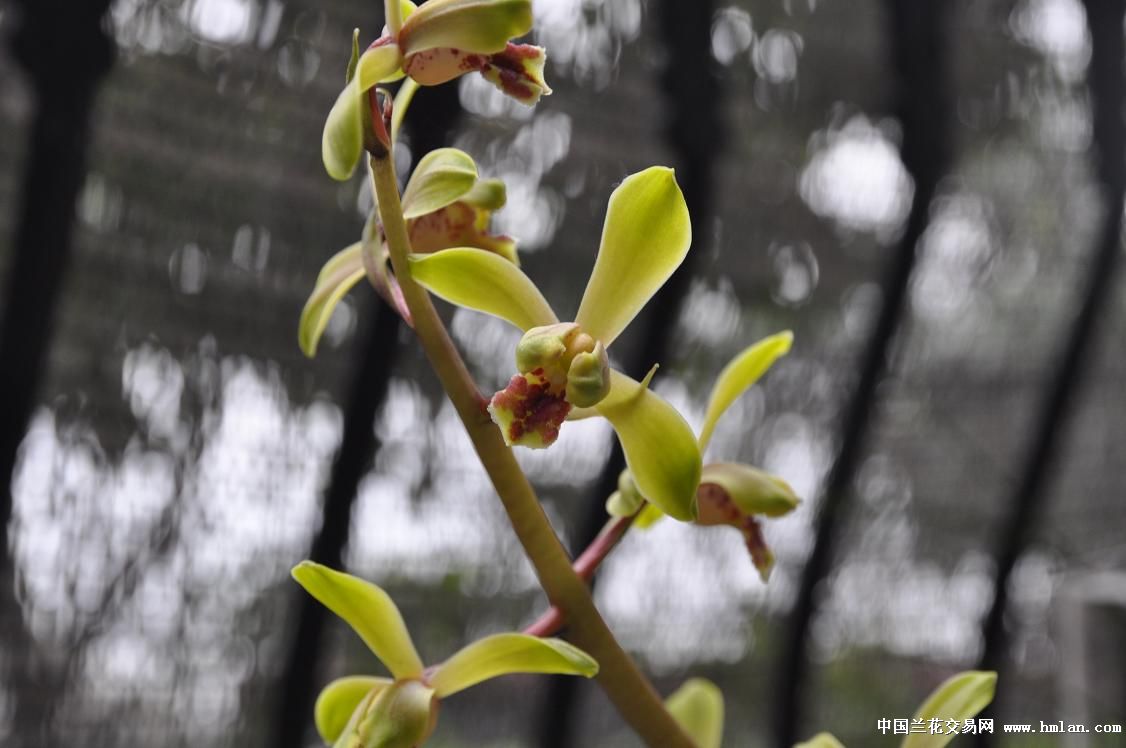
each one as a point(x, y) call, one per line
point(65, 51)
point(1026, 504)
point(694, 130)
point(374, 361)
point(917, 29)
point(433, 114)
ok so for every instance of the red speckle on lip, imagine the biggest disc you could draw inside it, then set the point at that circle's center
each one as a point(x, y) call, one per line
point(534, 409)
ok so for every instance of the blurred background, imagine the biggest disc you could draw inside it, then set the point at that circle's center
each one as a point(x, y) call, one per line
point(928, 193)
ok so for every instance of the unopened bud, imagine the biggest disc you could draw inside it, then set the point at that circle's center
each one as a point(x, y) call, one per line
point(627, 499)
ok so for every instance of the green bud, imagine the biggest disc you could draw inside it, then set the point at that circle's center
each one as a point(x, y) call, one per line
point(588, 377)
point(627, 499)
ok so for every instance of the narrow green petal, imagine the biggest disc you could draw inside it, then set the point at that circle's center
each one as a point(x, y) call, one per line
point(821, 740)
point(368, 610)
point(659, 445)
point(503, 654)
point(336, 278)
point(338, 701)
point(474, 26)
point(484, 281)
point(648, 517)
point(644, 239)
point(354, 60)
point(441, 177)
point(403, 98)
point(698, 707)
point(343, 139)
point(738, 376)
point(751, 490)
point(959, 697)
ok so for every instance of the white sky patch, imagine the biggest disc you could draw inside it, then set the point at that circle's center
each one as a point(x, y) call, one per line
point(1058, 29)
point(857, 179)
point(222, 21)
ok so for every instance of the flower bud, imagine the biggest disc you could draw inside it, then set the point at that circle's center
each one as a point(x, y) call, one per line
point(588, 377)
point(627, 499)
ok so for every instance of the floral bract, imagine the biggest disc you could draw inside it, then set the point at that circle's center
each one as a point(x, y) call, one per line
point(401, 711)
point(645, 237)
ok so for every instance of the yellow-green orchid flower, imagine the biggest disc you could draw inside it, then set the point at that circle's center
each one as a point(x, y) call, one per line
point(446, 204)
point(941, 717)
point(563, 365)
point(728, 493)
point(434, 43)
point(401, 711)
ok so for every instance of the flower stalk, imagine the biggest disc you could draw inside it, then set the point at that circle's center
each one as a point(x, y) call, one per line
point(627, 688)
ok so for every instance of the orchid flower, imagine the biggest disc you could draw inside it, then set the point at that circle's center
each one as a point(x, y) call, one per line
point(433, 44)
point(955, 702)
point(697, 706)
point(645, 237)
point(728, 493)
point(446, 204)
point(401, 711)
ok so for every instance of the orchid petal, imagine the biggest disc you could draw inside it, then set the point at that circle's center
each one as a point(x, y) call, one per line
point(750, 490)
point(644, 239)
point(821, 740)
point(474, 26)
point(343, 139)
point(441, 177)
point(697, 706)
point(738, 376)
point(459, 225)
point(403, 98)
point(368, 610)
point(483, 281)
point(502, 654)
point(338, 701)
point(518, 72)
point(648, 517)
point(959, 697)
point(487, 194)
point(336, 278)
point(659, 445)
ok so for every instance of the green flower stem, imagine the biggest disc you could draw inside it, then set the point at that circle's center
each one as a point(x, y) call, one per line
point(631, 693)
point(585, 565)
